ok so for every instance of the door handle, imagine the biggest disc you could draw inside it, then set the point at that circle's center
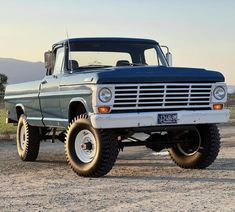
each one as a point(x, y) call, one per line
point(44, 82)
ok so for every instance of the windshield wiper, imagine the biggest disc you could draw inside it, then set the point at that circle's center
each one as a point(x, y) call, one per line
point(139, 64)
point(95, 66)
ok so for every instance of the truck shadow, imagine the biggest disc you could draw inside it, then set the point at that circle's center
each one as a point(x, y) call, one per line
point(222, 171)
point(224, 164)
point(221, 164)
point(52, 162)
point(183, 179)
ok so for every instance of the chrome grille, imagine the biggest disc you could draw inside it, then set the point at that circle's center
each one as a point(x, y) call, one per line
point(162, 96)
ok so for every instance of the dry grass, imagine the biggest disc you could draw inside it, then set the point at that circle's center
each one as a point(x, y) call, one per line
point(5, 128)
point(232, 114)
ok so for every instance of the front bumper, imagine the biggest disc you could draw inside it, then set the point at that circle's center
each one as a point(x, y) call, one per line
point(145, 119)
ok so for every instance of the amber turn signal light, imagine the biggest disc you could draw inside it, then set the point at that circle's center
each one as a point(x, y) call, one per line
point(218, 106)
point(103, 109)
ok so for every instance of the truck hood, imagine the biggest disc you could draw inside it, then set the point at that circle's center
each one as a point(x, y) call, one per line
point(155, 74)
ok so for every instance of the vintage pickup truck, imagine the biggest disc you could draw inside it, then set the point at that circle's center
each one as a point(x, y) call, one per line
point(98, 92)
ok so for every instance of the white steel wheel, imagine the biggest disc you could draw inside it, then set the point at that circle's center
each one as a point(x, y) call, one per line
point(89, 152)
point(22, 137)
point(85, 146)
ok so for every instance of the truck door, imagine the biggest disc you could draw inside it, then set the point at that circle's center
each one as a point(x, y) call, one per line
point(49, 93)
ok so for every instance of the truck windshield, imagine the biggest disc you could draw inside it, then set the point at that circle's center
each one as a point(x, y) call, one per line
point(107, 54)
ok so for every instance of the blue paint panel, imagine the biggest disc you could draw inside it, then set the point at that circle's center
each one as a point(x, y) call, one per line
point(155, 74)
point(108, 39)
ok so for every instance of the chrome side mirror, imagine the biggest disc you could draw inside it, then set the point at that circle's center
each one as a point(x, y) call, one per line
point(168, 56)
point(48, 59)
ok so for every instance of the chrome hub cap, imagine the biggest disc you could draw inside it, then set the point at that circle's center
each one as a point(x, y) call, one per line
point(85, 146)
point(22, 137)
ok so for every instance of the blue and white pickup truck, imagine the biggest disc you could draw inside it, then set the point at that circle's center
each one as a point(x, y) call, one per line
point(98, 92)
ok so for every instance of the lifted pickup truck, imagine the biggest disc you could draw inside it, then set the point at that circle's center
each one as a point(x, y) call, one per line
point(98, 92)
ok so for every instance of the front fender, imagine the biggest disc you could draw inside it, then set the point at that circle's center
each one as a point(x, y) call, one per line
point(81, 100)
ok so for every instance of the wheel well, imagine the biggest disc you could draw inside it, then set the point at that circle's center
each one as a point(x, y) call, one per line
point(76, 109)
point(19, 111)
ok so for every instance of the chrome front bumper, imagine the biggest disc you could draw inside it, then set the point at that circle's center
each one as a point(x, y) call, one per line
point(145, 119)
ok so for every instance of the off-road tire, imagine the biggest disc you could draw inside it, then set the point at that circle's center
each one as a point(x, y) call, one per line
point(106, 149)
point(32, 140)
point(207, 153)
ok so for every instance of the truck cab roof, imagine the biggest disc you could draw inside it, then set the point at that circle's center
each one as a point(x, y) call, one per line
point(107, 39)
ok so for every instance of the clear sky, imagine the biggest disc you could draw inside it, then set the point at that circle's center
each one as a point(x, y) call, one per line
point(199, 33)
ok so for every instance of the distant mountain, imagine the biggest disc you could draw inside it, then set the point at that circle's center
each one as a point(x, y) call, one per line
point(21, 71)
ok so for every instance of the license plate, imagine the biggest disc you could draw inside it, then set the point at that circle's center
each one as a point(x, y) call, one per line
point(167, 118)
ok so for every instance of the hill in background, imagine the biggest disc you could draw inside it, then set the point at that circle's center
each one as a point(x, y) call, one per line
point(21, 71)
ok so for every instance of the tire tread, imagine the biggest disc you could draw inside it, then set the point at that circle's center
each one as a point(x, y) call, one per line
point(109, 152)
point(32, 141)
point(210, 152)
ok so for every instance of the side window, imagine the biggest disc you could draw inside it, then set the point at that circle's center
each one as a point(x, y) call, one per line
point(151, 57)
point(59, 61)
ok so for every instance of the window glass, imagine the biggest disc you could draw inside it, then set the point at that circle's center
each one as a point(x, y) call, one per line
point(96, 58)
point(105, 54)
point(59, 61)
point(151, 57)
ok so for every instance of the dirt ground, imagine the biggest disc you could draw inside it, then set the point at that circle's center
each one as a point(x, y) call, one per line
point(140, 181)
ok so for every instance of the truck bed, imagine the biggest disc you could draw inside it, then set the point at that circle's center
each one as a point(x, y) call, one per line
point(25, 95)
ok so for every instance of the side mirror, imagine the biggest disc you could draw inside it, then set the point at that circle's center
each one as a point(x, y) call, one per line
point(169, 58)
point(48, 59)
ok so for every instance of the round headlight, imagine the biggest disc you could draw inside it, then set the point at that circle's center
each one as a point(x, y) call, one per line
point(219, 93)
point(105, 95)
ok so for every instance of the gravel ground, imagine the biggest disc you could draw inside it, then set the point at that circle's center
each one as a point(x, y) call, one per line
point(140, 181)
